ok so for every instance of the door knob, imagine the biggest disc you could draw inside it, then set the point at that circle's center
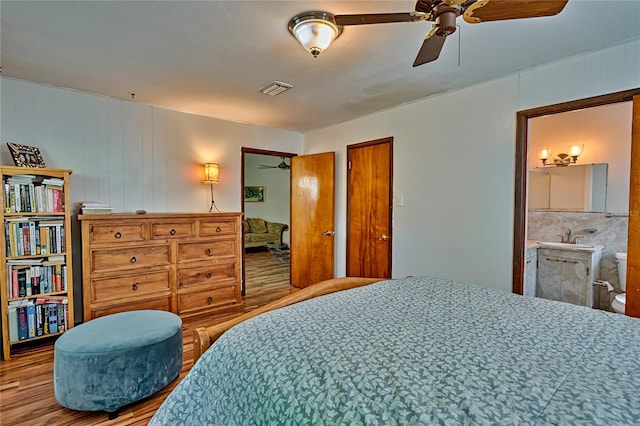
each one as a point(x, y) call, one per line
point(329, 233)
point(383, 237)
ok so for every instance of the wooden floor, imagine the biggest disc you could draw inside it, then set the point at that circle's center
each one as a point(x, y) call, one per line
point(26, 380)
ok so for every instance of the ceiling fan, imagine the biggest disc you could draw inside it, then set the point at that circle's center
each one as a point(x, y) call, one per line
point(282, 165)
point(442, 12)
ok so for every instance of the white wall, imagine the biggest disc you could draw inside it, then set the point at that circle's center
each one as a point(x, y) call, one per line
point(276, 205)
point(454, 163)
point(130, 155)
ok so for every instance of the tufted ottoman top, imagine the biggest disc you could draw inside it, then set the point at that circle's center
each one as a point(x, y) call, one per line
point(120, 331)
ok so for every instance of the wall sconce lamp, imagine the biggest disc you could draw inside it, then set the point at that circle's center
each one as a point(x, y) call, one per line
point(314, 30)
point(211, 172)
point(544, 155)
point(575, 151)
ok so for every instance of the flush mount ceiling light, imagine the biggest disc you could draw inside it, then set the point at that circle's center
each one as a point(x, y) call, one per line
point(314, 30)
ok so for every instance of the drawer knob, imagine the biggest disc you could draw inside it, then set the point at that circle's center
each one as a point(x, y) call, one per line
point(172, 232)
point(218, 229)
point(133, 259)
point(134, 287)
point(118, 235)
point(209, 300)
point(207, 252)
point(208, 274)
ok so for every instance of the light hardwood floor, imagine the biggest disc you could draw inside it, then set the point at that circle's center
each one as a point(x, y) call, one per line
point(26, 380)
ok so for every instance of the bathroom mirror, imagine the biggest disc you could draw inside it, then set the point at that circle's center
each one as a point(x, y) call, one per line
point(574, 188)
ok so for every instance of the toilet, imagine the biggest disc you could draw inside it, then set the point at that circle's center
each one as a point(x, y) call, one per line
point(620, 300)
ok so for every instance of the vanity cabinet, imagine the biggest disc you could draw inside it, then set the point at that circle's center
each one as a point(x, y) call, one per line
point(186, 263)
point(530, 272)
point(568, 275)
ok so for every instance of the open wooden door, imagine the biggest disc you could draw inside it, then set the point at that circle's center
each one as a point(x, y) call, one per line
point(369, 208)
point(312, 218)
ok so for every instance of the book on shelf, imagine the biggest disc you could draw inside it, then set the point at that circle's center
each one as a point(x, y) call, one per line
point(23, 328)
point(12, 312)
point(31, 321)
point(53, 181)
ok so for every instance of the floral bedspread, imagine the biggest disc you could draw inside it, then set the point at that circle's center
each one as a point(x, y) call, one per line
point(417, 351)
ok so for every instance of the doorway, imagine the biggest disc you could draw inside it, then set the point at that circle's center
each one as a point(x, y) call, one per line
point(369, 208)
point(520, 213)
point(266, 220)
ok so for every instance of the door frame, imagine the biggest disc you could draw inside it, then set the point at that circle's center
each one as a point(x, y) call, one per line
point(521, 156)
point(388, 140)
point(247, 150)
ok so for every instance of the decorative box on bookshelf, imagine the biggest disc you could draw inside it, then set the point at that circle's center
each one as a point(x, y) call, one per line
point(36, 265)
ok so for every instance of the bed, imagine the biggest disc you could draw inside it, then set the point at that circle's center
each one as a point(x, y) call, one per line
point(418, 350)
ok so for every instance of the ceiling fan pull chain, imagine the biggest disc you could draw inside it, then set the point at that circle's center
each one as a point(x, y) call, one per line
point(459, 42)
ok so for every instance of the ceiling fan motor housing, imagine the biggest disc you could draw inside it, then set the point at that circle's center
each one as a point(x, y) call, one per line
point(445, 18)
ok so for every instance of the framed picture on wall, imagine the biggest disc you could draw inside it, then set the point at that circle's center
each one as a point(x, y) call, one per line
point(254, 193)
point(26, 156)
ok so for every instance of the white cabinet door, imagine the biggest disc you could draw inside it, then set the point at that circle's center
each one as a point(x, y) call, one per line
point(565, 276)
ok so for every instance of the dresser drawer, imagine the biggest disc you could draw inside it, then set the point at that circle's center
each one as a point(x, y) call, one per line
point(125, 286)
point(116, 233)
point(206, 299)
point(219, 227)
point(215, 273)
point(197, 251)
point(114, 259)
point(158, 303)
point(164, 230)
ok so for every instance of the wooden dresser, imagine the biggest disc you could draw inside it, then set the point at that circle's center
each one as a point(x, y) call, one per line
point(186, 263)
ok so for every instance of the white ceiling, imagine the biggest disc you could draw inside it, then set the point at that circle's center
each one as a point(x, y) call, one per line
point(211, 57)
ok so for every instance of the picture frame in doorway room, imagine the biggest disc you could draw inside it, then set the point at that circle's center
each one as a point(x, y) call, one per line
point(254, 194)
point(26, 156)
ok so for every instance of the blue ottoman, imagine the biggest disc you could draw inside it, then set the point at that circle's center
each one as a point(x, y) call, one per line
point(112, 361)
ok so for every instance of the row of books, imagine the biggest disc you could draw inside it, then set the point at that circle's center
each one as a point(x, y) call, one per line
point(32, 198)
point(29, 280)
point(37, 317)
point(33, 237)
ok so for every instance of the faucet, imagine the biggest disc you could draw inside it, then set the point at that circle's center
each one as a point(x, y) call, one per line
point(568, 239)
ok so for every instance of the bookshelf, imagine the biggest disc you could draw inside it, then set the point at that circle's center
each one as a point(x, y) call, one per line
point(35, 260)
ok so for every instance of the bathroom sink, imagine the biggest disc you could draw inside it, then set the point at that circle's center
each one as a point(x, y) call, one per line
point(564, 245)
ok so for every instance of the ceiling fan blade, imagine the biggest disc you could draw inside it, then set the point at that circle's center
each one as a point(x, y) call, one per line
point(264, 166)
point(379, 18)
point(431, 47)
point(500, 10)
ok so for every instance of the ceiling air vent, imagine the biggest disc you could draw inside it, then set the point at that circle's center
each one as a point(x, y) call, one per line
point(275, 88)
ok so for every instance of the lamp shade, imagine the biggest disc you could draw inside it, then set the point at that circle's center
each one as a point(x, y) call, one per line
point(211, 171)
point(544, 153)
point(314, 30)
point(575, 150)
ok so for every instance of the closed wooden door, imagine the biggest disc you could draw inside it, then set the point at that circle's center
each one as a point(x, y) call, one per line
point(369, 208)
point(312, 218)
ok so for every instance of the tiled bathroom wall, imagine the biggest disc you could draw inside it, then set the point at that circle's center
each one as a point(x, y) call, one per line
point(611, 232)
